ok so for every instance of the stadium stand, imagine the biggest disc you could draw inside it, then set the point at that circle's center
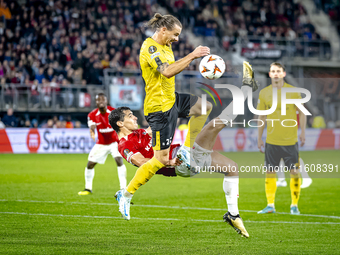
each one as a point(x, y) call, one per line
point(54, 54)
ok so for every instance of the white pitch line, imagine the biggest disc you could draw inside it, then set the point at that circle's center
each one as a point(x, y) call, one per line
point(165, 219)
point(164, 206)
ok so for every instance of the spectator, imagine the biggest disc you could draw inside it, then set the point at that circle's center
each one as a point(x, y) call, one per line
point(9, 119)
point(2, 125)
point(69, 123)
point(27, 123)
point(77, 124)
point(4, 10)
point(34, 123)
point(48, 124)
point(40, 76)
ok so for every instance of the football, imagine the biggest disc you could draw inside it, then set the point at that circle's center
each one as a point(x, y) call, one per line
point(212, 67)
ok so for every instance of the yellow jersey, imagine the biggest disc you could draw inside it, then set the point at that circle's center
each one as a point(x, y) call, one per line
point(160, 91)
point(277, 134)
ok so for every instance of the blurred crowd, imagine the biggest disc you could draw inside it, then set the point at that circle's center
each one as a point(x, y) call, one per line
point(72, 42)
point(332, 8)
point(231, 19)
point(9, 120)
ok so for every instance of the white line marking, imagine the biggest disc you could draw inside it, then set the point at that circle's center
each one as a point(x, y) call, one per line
point(164, 206)
point(164, 219)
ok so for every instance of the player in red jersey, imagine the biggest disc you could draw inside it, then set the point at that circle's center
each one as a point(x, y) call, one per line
point(107, 144)
point(136, 147)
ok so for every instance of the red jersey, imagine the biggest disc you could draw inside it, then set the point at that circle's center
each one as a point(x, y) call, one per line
point(139, 141)
point(106, 134)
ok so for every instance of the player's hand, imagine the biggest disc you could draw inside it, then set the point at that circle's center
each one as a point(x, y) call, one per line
point(93, 135)
point(201, 51)
point(302, 139)
point(260, 145)
point(175, 162)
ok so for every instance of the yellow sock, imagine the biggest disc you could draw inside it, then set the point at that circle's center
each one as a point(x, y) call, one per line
point(143, 174)
point(195, 126)
point(295, 188)
point(270, 188)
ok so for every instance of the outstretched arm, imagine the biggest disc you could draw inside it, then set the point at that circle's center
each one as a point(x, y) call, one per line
point(171, 70)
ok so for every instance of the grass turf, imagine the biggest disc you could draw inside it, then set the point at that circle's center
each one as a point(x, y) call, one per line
point(41, 213)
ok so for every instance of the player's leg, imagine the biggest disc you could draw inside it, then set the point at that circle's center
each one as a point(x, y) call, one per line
point(163, 127)
point(98, 154)
point(281, 181)
point(121, 168)
point(143, 174)
point(196, 121)
point(291, 159)
point(221, 164)
point(207, 137)
point(306, 180)
point(272, 157)
point(89, 175)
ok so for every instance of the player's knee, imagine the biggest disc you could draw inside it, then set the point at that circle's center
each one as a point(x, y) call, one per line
point(209, 106)
point(91, 165)
point(163, 158)
point(233, 169)
point(119, 161)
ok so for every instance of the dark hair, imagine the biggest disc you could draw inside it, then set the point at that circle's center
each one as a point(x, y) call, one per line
point(279, 65)
point(160, 20)
point(100, 94)
point(117, 115)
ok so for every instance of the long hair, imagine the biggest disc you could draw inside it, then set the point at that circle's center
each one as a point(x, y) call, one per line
point(158, 21)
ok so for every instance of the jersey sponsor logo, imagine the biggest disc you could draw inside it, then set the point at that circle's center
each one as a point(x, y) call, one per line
point(106, 130)
point(155, 55)
point(152, 49)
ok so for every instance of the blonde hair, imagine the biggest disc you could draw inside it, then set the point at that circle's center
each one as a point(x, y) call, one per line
point(158, 21)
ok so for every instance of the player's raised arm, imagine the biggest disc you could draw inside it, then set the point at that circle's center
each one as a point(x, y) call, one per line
point(171, 70)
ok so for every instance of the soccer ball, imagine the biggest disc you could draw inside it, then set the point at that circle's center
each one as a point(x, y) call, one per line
point(212, 67)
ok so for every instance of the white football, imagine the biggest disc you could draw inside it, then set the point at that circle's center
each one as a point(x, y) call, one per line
point(212, 67)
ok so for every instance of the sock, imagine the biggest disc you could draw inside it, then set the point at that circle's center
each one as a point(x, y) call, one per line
point(89, 174)
point(270, 188)
point(195, 127)
point(295, 188)
point(230, 187)
point(303, 172)
point(122, 176)
point(143, 174)
point(281, 174)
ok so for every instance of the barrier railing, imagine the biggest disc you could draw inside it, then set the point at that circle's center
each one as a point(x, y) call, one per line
point(49, 98)
point(272, 47)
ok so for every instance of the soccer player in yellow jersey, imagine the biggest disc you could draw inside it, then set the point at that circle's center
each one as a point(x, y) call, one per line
point(162, 105)
point(282, 140)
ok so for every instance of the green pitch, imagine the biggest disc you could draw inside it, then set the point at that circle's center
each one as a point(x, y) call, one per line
point(41, 213)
